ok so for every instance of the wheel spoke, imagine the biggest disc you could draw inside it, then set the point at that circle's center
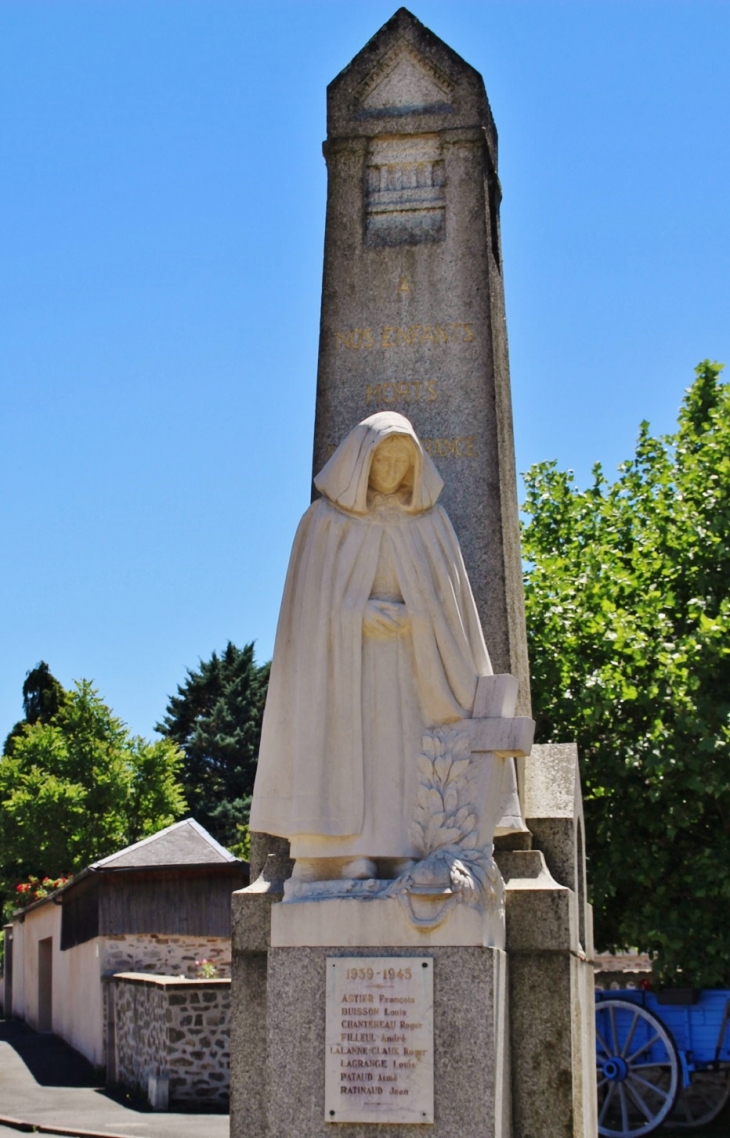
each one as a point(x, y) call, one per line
point(644, 1047)
point(649, 1086)
point(639, 1101)
point(638, 1097)
point(606, 1101)
point(702, 1101)
point(630, 1036)
point(600, 1040)
point(624, 1108)
point(612, 1018)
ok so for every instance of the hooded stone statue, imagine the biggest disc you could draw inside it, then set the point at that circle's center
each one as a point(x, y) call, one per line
point(378, 641)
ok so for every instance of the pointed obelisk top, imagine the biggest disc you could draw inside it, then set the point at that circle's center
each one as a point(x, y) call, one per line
point(407, 80)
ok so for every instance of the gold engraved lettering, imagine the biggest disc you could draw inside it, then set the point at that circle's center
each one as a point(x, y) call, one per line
point(355, 338)
point(462, 446)
point(404, 286)
point(410, 336)
point(412, 391)
point(419, 335)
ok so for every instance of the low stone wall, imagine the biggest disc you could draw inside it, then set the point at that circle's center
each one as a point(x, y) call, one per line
point(173, 1031)
point(173, 955)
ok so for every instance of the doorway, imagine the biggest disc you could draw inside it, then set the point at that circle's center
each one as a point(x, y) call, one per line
point(45, 984)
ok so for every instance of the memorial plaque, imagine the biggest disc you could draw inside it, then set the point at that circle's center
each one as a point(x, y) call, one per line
point(379, 1039)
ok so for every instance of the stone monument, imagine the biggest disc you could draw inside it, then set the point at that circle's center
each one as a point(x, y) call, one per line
point(391, 968)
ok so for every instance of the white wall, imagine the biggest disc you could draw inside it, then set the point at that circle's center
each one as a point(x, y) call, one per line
point(77, 993)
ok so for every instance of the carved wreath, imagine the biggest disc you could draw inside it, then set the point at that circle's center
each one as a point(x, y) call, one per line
point(444, 831)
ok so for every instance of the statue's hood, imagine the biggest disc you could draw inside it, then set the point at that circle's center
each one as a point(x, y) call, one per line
point(344, 479)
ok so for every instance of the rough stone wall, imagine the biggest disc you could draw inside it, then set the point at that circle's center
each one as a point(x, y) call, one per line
point(164, 955)
point(141, 1031)
point(174, 1028)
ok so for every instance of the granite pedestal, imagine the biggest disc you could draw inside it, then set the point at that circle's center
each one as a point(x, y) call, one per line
point(278, 1039)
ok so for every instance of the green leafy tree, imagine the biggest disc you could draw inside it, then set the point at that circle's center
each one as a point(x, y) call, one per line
point(78, 786)
point(628, 609)
point(216, 719)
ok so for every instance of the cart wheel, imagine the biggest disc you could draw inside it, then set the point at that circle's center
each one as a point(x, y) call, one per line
point(638, 1070)
point(701, 1101)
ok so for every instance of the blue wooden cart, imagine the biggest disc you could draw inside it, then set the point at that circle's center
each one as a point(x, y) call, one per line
point(663, 1058)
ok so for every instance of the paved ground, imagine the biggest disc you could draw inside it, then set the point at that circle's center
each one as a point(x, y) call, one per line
point(43, 1081)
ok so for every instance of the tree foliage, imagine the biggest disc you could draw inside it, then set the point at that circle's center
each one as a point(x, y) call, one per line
point(76, 786)
point(216, 719)
point(43, 697)
point(628, 609)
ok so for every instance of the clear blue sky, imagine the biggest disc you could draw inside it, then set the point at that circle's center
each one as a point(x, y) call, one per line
point(162, 196)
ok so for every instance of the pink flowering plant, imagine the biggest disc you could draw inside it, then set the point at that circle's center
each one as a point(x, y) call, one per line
point(206, 970)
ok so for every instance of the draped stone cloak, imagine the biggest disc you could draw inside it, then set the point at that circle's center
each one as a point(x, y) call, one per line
point(312, 761)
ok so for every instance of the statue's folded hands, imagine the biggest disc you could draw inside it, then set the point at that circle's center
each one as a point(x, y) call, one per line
point(384, 617)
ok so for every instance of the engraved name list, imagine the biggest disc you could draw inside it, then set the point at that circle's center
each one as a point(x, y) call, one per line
point(379, 1039)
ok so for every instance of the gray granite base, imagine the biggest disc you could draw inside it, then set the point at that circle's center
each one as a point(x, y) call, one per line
point(471, 1050)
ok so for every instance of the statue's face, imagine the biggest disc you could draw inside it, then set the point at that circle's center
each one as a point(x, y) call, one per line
point(391, 462)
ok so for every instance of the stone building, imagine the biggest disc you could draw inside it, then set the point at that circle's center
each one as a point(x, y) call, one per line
point(142, 916)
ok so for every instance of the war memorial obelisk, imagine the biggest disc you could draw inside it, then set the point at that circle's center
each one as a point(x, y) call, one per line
point(491, 997)
point(413, 299)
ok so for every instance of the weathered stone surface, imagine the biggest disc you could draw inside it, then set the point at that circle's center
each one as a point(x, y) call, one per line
point(163, 955)
point(553, 808)
point(249, 1069)
point(251, 912)
point(176, 1054)
point(413, 304)
point(552, 1040)
point(541, 915)
point(469, 1073)
point(264, 846)
point(553, 1051)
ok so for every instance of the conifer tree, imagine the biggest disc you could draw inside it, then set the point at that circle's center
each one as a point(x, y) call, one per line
point(43, 697)
point(216, 719)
